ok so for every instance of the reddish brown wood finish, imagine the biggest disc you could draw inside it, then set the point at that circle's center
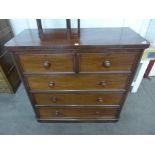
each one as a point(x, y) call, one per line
point(147, 72)
point(47, 62)
point(96, 112)
point(78, 82)
point(120, 61)
point(93, 98)
point(77, 78)
point(89, 38)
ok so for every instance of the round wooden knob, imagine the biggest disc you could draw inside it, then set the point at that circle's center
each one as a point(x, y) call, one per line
point(103, 83)
point(46, 64)
point(57, 113)
point(51, 84)
point(107, 63)
point(97, 112)
point(54, 99)
point(100, 100)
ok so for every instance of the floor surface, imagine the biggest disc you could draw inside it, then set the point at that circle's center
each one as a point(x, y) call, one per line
point(137, 116)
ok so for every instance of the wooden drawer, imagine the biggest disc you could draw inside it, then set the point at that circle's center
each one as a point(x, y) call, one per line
point(102, 62)
point(90, 98)
point(78, 112)
point(79, 82)
point(47, 62)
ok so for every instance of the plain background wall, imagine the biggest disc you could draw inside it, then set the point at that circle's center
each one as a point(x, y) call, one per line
point(145, 27)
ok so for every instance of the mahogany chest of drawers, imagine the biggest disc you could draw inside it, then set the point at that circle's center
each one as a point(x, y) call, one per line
point(79, 79)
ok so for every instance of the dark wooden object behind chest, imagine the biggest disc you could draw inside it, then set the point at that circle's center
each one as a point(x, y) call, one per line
point(79, 75)
point(9, 78)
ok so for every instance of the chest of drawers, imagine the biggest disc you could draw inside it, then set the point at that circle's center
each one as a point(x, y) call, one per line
point(78, 79)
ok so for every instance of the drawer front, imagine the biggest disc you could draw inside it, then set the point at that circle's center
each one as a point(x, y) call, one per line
point(47, 62)
point(78, 98)
point(83, 82)
point(50, 112)
point(101, 62)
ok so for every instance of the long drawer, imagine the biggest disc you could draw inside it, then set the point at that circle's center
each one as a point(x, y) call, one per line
point(78, 112)
point(47, 62)
point(78, 82)
point(89, 98)
point(101, 62)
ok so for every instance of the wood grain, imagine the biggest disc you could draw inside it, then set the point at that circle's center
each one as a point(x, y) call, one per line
point(93, 98)
point(57, 62)
point(95, 62)
point(78, 82)
point(89, 75)
point(89, 38)
point(57, 112)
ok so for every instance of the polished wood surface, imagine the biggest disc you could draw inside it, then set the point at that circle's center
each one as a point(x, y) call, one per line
point(78, 82)
point(84, 77)
point(89, 38)
point(47, 62)
point(94, 98)
point(48, 112)
point(120, 61)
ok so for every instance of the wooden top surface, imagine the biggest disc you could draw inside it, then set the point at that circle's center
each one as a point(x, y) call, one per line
point(96, 37)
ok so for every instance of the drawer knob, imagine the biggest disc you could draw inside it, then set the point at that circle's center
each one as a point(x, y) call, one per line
point(100, 100)
point(107, 63)
point(57, 113)
point(54, 99)
point(103, 83)
point(97, 112)
point(46, 64)
point(51, 84)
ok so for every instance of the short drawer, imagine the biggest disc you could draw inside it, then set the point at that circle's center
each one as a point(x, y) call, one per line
point(73, 82)
point(102, 62)
point(47, 62)
point(78, 112)
point(89, 98)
